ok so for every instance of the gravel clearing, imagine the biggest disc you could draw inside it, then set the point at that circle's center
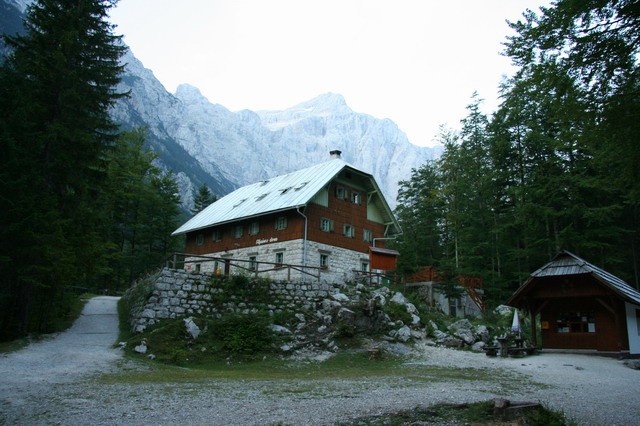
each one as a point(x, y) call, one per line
point(53, 382)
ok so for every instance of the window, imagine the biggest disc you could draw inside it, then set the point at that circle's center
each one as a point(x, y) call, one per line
point(279, 258)
point(326, 225)
point(364, 266)
point(217, 235)
point(356, 198)
point(324, 261)
point(239, 202)
point(237, 231)
point(254, 228)
point(199, 239)
point(302, 185)
point(348, 231)
point(367, 236)
point(253, 263)
point(576, 322)
point(341, 192)
point(281, 223)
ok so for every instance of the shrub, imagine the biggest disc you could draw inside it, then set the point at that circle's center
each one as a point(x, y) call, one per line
point(244, 334)
point(397, 311)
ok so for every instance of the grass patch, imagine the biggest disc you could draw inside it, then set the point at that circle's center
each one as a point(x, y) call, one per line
point(479, 413)
point(348, 365)
point(237, 337)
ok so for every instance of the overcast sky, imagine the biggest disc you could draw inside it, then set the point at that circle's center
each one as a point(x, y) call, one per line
point(416, 62)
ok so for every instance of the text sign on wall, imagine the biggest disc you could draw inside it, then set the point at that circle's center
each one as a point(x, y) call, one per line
point(260, 241)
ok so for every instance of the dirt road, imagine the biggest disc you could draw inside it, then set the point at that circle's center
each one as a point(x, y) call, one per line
point(52, 382)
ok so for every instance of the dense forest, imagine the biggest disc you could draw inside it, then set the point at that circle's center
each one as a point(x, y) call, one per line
point(556, 167)
point(83, 208)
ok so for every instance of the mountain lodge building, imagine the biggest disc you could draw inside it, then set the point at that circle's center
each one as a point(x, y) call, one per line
point(330, 220)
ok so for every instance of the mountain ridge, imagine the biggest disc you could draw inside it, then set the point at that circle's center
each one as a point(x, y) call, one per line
point(206, 143)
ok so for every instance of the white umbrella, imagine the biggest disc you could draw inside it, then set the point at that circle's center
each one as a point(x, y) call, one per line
point(515, 325)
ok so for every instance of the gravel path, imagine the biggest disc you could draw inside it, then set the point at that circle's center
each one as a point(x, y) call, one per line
point(51, 382)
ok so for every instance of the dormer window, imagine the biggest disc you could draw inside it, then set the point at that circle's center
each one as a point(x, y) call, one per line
point(356, 198)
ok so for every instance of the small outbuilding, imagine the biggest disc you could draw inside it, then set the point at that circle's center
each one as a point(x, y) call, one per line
point(581, 307)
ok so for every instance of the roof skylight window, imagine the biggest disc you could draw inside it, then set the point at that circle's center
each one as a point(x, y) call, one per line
point(239, 202)
point(302, 185)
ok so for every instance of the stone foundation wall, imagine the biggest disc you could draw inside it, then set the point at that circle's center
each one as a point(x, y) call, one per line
point(178, 293)
point(342, 262)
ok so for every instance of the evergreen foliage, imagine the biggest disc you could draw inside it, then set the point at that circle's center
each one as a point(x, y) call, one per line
point(82, 207)
point(202, 199)
point(556, 167)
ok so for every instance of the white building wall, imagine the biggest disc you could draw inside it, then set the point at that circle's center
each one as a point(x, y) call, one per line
point(633, 327)
point(341, 262)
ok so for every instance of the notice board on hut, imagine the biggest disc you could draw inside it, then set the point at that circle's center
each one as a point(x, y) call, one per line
point(383, 259)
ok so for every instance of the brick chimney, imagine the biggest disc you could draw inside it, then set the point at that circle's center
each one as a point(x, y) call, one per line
point(335, 154)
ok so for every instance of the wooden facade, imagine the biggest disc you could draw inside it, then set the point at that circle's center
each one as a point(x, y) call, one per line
point(264, 229)
point(579, 305)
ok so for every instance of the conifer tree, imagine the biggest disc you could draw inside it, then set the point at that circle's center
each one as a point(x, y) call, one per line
point(56, 87)
point(202, 199)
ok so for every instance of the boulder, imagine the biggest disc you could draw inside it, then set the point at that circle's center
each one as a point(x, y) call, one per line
point(478, 346)
point(415, 320)
point(503, 310)
point(278, 329)
point(340, 297)
point(460, 324)
point(411, 308)
point(482, 333)
point(466, 335)
point(141, 348)
point(380, 299)
point(403, 334)
point(346, 315)
point(399, 299)
point(330, 306)
point(192, 328)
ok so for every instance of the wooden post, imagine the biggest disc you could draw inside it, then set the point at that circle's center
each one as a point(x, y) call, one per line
point(534, 331)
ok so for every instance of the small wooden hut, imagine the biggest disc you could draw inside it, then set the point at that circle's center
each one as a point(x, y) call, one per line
point(581, 307)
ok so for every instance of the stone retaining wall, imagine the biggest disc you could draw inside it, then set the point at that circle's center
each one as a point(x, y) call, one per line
point(178, 293)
